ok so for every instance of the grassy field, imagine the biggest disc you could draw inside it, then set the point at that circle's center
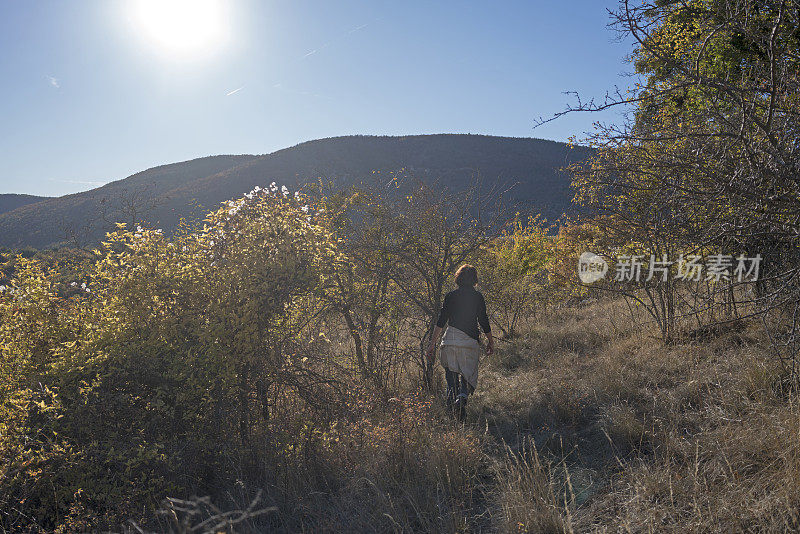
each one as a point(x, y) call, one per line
point(699, 436)
point(585, 423)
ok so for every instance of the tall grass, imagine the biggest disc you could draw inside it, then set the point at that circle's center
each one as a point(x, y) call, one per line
point(583, 424)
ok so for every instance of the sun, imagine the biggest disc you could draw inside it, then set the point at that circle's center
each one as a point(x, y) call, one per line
point(181, 27)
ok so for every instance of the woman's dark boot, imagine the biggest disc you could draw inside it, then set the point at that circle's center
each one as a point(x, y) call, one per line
point(460, 406)
point(452, 386)
point(465, 390)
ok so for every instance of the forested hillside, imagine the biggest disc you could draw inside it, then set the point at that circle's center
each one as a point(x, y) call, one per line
point(162, 195)
point(10, 202)
point(82, 218)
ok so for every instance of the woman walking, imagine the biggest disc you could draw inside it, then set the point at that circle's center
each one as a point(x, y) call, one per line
point(462, 311)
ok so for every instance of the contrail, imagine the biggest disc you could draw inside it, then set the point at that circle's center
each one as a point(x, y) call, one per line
point(338, 38)
point(234, 91)
point(359, 27)
point(316, 50)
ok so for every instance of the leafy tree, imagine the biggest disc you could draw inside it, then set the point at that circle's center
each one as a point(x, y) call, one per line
point(363, 291)
point(515, 273)
point(434, 234)
point(707, 161)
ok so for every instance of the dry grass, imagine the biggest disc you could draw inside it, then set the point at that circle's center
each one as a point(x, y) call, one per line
point(584, 424)
point(694, 437)
point(531, 497)
point(399, 466)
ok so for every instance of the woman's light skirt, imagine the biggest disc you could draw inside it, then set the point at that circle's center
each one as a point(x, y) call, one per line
point(460, 353)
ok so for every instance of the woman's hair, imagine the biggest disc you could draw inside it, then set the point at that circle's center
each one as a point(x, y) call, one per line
point(466, 275)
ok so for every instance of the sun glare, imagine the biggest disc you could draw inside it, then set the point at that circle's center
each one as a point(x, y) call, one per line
point(181, 27)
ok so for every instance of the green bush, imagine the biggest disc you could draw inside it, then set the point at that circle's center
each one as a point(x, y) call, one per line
point(170, 356)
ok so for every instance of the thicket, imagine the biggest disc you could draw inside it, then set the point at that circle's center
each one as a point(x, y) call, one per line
point(271, 348)
point(706, 163)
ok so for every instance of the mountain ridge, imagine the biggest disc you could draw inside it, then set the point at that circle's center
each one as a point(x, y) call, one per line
point(191, 188)
point(12, 201)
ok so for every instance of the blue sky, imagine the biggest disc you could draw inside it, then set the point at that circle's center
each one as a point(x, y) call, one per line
point(88, 95)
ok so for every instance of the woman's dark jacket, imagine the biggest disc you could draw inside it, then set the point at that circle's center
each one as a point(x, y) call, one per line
point(464, 308)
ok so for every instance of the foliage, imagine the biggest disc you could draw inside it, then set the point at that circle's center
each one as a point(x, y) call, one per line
point(363, 290)
point(218, 357)
point(514, 273)
point(138, 385)
point(707, 161)
point(404, 242)
point(218, 362)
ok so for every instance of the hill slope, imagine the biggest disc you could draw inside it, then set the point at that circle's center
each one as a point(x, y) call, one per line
point(92, 212)
point(165, 194)
point(9, 202)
